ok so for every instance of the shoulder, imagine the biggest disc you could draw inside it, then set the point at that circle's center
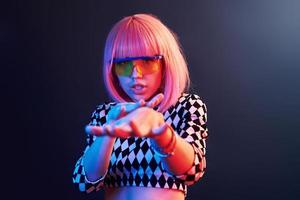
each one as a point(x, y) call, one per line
point(104, 106)
point(190, 100)
point(191, 104)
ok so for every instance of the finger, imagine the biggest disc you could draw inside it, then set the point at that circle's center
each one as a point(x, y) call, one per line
point(122, 131)
point(132, 106)
point(138, 104)
point(159, 130)
point(115, 130)
point(134, 127)
point(122, 111)
point(109, 130)
point(155, 100)
point(141, 102)
point(95, 130)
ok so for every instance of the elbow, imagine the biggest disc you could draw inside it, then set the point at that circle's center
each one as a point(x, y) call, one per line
point(81, 182)
point(84, 185)
point(196, 172)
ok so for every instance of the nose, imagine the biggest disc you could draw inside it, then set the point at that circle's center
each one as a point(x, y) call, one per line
point(135, 72)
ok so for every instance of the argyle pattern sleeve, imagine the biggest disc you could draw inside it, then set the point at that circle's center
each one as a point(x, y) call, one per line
point(192, 127)
point(134, 163)
point(98, 118)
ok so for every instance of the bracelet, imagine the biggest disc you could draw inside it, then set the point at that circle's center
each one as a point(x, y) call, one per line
point(160, 151)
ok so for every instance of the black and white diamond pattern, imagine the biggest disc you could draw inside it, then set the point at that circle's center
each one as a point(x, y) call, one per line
point(133, 163)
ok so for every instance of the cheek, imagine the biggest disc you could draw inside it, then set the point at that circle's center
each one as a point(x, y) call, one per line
point(155, 80)
point(123, 81)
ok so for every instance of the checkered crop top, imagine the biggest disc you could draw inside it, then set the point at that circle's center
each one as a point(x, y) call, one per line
point(134, 163)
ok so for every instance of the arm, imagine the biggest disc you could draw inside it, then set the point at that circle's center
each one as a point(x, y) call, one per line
point(191, 133)
point(183, 153)
point(189, 128)
point(96, 159)
point(91, 167)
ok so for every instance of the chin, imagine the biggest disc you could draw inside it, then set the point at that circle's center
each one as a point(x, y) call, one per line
point(136, 98)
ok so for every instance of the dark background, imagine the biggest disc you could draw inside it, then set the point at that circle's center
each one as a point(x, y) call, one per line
point(244, 63)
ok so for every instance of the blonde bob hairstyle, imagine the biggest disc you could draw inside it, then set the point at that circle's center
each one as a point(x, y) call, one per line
point(146, 35)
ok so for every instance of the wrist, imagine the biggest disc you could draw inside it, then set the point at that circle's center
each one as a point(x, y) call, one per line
point(164, 138)
point(164, 145)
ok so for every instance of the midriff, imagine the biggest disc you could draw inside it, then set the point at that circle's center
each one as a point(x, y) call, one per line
point(144, 193)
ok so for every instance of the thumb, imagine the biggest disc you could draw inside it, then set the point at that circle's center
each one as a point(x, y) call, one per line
point(155, 100)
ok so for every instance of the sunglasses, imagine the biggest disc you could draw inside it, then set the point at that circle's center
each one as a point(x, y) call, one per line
point(148, 65)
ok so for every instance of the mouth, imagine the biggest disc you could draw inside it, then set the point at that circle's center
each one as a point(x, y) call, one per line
point(138, 88)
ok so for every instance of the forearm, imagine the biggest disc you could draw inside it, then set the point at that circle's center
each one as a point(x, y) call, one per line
point(183, 153)
point(96, 159)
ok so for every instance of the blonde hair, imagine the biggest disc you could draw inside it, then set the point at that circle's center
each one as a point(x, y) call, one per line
point(146, 35)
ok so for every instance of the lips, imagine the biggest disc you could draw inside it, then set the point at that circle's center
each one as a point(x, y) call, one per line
point(138, 88)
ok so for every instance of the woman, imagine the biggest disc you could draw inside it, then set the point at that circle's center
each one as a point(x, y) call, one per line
point(150, 142)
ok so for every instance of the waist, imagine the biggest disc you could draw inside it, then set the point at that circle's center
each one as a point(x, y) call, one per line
point(160, 181)
point(145, 193)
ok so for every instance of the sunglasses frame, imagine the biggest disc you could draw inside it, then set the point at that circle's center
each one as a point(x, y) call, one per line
point(120, 60)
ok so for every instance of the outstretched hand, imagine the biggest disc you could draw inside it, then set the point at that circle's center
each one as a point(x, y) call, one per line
point(132, 119)
point(142, 122)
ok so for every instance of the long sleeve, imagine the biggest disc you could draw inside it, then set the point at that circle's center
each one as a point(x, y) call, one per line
point(79, 177)
point(192, 127)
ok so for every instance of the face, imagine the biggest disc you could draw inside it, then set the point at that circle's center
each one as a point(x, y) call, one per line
point(142, 83)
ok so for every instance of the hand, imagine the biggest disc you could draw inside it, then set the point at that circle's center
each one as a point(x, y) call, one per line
point(119, 111)
point(142, 122)
point(122, 109)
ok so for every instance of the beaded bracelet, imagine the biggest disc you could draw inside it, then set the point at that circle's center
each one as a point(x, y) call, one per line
point(171, 145)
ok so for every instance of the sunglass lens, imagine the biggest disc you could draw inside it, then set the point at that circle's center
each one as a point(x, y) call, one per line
point(123, 68)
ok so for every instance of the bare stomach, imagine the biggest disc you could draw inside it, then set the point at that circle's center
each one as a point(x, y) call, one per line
point(144, 193)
